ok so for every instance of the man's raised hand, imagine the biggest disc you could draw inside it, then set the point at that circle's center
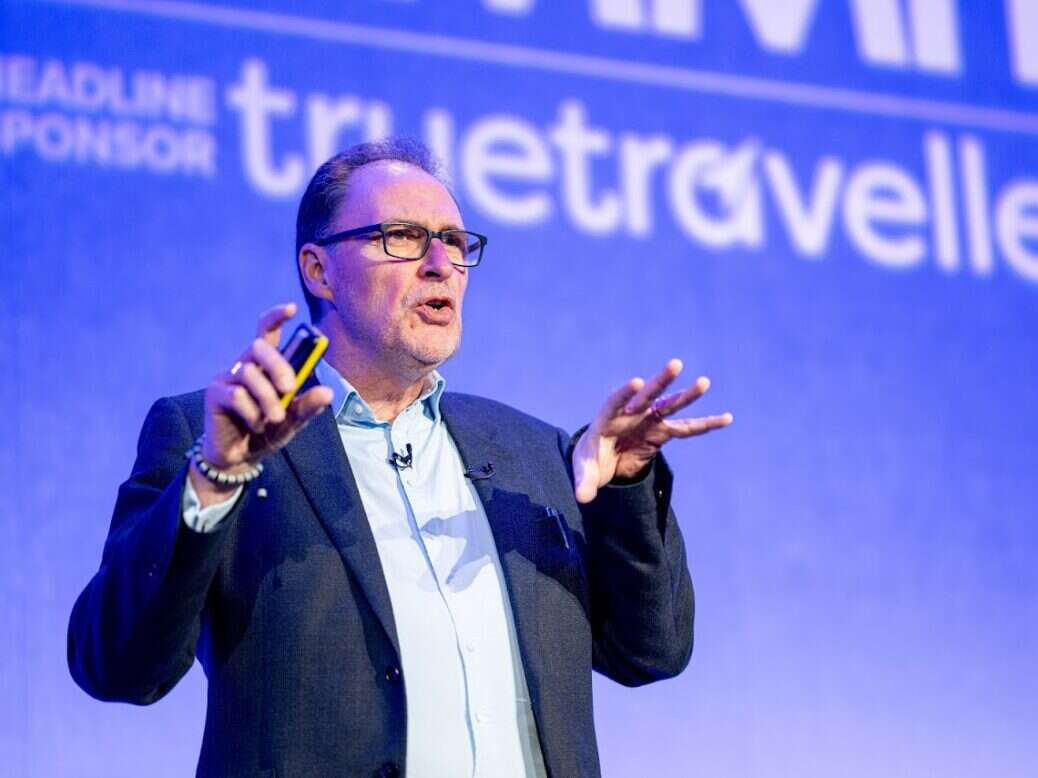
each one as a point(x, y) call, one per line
point(632, 426)
point(244, 420)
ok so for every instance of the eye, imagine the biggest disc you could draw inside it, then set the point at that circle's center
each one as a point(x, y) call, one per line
point(456, 240)
point(402, 232)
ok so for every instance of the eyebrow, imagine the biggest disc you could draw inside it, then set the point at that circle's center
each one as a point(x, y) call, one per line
point(448, 226)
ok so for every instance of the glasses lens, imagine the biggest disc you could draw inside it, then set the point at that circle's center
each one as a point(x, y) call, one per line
point(463, 248)
point(405, 241)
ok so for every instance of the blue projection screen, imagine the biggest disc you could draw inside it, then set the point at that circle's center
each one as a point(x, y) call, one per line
point(829, 208)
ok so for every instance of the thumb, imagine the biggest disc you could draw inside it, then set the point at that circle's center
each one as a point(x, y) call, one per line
point(585, 478)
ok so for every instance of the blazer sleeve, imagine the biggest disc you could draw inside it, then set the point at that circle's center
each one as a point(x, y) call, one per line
point(133, 629)
point(642, 601)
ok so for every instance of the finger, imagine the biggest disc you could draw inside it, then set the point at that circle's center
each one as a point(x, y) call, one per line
point(687, 428)
point(236, 400)
point(263, 392)
point(307, 405)
point(619, 397)
point(643, 399)
point(673, 403)
point(277, 368)
point(269, 325)
point(585, 479)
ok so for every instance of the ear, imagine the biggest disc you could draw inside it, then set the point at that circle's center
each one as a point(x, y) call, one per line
point(313, 267)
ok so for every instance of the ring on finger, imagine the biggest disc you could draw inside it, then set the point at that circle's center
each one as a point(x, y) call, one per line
point(236, 368)
point(656, 409)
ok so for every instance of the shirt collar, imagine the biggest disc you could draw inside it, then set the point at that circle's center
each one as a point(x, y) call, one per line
point(350, 408)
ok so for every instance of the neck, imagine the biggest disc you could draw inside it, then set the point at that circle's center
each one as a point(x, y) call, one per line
point(387, 391)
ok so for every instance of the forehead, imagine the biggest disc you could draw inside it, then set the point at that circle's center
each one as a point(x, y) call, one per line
point(389, 190)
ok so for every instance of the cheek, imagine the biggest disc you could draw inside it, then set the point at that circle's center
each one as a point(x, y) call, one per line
point(361, 295)
point(385, 302)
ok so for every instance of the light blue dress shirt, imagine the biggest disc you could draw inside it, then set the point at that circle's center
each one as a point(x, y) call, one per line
point(468, 706)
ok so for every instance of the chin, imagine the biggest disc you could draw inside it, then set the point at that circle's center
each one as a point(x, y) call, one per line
point(439, 353)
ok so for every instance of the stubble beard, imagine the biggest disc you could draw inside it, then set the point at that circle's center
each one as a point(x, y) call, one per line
point(414, 353)
point(431, 352)
point(403, 349)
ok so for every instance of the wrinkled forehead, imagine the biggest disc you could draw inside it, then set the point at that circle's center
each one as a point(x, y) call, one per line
point(390, 190)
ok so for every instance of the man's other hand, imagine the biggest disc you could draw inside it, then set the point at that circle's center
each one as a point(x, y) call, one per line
point(632, 426)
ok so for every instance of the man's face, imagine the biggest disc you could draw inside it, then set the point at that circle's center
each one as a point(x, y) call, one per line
point(403, 314)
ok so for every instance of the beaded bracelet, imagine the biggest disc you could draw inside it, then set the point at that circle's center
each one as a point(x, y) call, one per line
point(194, 454)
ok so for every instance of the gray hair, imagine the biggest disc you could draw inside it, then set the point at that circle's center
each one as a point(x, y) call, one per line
point(327, 189)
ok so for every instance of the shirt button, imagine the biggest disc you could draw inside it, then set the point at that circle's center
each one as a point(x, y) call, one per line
point(389, 770)
point(480, 717)
point(470, 647)
point(393, 674)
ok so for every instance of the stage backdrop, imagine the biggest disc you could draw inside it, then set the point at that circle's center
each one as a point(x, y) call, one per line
point(830, 208)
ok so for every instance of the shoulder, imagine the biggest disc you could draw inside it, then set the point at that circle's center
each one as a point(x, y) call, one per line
point(176, 416)
point(495, 414)
point(190, 404)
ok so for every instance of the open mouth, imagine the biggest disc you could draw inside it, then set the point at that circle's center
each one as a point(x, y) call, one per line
point(436, 310)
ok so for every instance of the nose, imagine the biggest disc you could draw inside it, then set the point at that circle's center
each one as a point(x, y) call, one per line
point(436, 263)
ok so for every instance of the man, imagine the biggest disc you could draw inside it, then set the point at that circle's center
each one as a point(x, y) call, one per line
point(418, 582)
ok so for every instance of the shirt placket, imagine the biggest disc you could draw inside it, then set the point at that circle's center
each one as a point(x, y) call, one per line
point(440, 556)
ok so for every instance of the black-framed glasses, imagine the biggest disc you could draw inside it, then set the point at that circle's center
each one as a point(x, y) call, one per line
point(403, 240)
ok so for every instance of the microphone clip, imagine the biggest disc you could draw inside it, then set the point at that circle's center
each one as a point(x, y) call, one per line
point(402, 461)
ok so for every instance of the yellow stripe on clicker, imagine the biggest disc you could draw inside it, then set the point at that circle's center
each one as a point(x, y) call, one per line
point(320, 346)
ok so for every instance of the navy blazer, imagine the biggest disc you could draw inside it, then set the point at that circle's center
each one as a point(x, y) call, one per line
point(286, 607)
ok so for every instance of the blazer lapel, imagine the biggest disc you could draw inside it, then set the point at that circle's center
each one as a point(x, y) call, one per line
point(319, 461)
point(487, 464)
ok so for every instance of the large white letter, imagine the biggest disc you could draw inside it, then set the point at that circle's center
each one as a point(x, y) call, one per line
point(973, 162)
point(880, 31)
point(1022, 18)
point(808, 223)
point(937, 150)
point(256, 103)
point(935, 35)
point(577, 142)
point(1016, 217)
point(879, 193)
point(705, 166)
point(325, 119)
point(438, 133)
point(506, 146)
point(676, 18)
point(780, 25)
point(638, 158)
point(512, 7)
point(930, 40)
point(624, 14)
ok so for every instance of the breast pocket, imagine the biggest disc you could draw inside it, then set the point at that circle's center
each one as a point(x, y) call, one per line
point(552, 540)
